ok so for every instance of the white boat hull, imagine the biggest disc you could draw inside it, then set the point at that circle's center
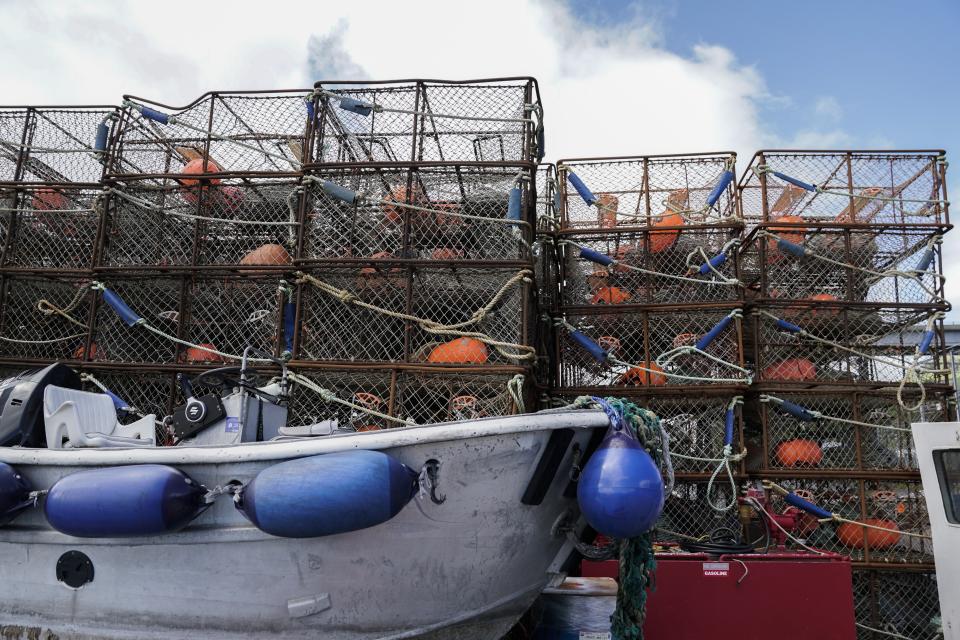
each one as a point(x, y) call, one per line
point(467, 568)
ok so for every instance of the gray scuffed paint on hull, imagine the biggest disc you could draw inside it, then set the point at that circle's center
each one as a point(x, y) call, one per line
point(464, 569)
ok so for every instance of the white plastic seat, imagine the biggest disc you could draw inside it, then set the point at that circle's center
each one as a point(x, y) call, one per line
point(74, 418)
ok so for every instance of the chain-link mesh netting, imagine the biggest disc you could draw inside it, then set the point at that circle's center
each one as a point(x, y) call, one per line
point(844, 344)
point(898, 507)
point(31, 329)
point(882, 265)
point(911, 184)
point(651, 267)
point(49, 228)
point(333, 328)
point(847, 431)
point(491, 123)
point(664, 191)
point(642, 336)
point(461, 214)
point(51, 145)
point(687, 512)
point(240, 221)
point(235, 132)
point(901, 604)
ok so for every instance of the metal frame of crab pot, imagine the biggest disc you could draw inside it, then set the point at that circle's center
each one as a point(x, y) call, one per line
point(639, 188)
point(493, 120)
point(686, 510)
point(847, 263)
point(779, 182)
point(896, 600)
point(648, 271)
point(55, 145)
point(834, 351)
point(827, 433)
point(253, 132)
point(465, 212)
point(639, 334)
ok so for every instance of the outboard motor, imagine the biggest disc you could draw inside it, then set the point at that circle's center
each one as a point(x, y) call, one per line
point(21, 404)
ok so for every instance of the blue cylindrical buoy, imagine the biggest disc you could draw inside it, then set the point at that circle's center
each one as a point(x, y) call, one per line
point(14, 493)
point(620, 491)
point(115, 502)
point(328, 494)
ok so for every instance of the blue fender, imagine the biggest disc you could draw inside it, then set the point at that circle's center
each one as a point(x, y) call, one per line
point(14, 493)
point(116, 502)
point(327, 494)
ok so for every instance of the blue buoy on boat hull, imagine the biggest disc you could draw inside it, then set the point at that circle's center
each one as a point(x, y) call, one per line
point(327, 494)
point(136, 500)
point(620, 491)
point(14, 493)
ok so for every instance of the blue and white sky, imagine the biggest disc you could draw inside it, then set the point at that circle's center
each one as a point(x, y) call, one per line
point(617, 77)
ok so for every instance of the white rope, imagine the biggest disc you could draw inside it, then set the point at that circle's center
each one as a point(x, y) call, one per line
point(89, 377)
point(515, 389)
point(329, 396)
point(817, 415)
point(892, 634)
point(50, 341)
point(43, 150)
point(378, 108)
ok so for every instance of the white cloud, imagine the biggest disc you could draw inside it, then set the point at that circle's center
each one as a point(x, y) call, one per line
point(827, 108)
point(607, 90)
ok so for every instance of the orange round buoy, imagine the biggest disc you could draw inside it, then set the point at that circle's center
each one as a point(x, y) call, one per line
point(195, 167)
point(394, 212)
point(663, 240)
point(194, 355)
point(48, 200)
point(799, 453)
point(641, 377)
point(460, 351)
point(447, 254)
point(607, 205)
point(796, 235)
point(797, 369)
point(267, 254)
point(610, 295)
point(823, 313)
point(80, 353)
point(851, 534)
point(231, 197)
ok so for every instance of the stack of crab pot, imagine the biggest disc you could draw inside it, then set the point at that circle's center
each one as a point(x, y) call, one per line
point(415, 268)
point(650, 309)
point(845, 304)
point(52, 161)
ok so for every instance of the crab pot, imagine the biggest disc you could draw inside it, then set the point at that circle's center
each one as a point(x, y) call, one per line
point(48, 228)
point(830, 262)
point(903, 602)
point(344, 131)
point(468, 219)
point(423, 395)
point(54, 145)
point(548, 198)
point(31, 335)
point(876, 344)
point(687, 512)
point(649, 264)
point(858, 177)
point(897, 506)
point(800, 441)
point(639, 336)
point(648, 190)
point(262, 132)
point(241, 223)
point(334, 330)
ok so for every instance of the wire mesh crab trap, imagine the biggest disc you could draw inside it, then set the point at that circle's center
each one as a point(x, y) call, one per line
point(899, 264)
point(805, 343)
point(54, 145)
point(902, 604)
point(201, 320)
point(44, 318)
point(875, 522)
point(611, 352)
point(441, 315)
point(671, 192)
point(681, 265)
point(253, 131)
point(847, 187)
point(448, 213)
point(244, 223)
point(691, 512)
point(548, 198)
point(820, 431)
point(49, 228)
point(410, 396)
point(496, 120)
